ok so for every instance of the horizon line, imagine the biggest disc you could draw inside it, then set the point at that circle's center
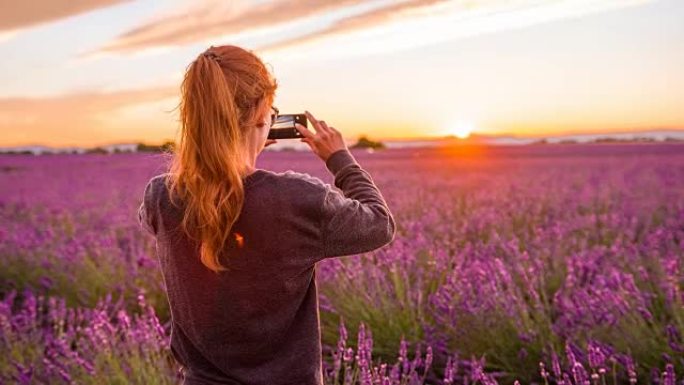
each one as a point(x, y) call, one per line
point(471, 136)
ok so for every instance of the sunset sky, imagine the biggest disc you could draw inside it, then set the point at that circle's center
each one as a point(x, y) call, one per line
point(84, 73)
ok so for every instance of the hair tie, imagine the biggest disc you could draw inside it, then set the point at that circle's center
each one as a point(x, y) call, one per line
point(212, 55)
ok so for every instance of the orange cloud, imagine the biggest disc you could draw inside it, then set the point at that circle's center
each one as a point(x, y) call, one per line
point(366, 20)
point(426, 21)
point(22, 14)
point(76, 118)
point(216, 18)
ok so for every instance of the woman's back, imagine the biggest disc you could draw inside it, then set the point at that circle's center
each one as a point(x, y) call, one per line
point(258, 322)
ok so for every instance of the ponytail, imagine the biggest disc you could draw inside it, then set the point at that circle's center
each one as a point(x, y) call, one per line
point(224, 93)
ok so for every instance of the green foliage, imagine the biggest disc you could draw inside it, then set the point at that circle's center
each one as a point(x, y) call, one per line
point(167, 146)
point(364, 142)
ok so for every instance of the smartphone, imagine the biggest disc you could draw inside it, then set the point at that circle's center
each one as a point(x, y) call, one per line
point(284, 126)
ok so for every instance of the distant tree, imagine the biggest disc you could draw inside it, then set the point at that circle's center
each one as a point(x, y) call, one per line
point(97, 150)
point(364, 142)
point(167, 146)
point(605, 140)
point(645, 139)
point(541, 141)
point(142, 147)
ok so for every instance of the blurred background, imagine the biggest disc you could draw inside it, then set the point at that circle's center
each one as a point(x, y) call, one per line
point(107, 73)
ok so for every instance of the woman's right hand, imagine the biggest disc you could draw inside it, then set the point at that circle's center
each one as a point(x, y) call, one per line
point(325, 141)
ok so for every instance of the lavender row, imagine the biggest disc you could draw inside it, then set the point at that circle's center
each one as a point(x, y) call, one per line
point(44, 341)
point(508, 254)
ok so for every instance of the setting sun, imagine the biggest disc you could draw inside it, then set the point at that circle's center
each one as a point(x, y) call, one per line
point(461, 130)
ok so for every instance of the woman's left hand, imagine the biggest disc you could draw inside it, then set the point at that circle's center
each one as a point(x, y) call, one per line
point(270, 142)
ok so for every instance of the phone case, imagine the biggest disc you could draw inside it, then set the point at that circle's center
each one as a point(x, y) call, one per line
point(284, 126)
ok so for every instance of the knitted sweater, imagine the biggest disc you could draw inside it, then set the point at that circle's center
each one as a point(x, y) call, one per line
point(258, 323)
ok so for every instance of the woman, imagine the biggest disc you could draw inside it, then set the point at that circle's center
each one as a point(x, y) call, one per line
point(238, 245)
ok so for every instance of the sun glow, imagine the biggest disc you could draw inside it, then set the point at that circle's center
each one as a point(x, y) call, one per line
point(461, 130)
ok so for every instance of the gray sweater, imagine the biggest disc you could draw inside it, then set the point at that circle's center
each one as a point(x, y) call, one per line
point(258, 323)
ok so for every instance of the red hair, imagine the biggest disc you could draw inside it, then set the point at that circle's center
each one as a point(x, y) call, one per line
point(226, 92)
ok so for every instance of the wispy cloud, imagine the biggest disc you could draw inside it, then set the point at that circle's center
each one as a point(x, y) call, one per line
point(20, 15)
point(414, 25)
point(211, 18)
point(372, 18)
point(388, 27)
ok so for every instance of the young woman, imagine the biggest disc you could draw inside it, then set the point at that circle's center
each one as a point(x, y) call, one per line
point(238, 245)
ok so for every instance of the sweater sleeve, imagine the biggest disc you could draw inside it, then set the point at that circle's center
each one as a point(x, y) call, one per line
point(146, 218)
point(357, 220)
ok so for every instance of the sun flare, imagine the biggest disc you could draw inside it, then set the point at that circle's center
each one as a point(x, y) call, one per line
point(461, 130)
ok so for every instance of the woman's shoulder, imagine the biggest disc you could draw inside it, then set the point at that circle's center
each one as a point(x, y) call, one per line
point(159, 181)
point(285, 180)
point(161, 177)
point(303, 179)
point(300, 191)
point(299, 188)
point(157, 186)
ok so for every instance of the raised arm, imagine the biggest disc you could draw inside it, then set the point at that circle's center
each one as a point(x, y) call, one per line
point(358, 219)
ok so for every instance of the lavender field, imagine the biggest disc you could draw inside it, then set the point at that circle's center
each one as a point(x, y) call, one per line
point(547, 264)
